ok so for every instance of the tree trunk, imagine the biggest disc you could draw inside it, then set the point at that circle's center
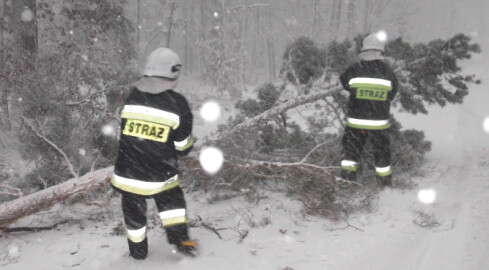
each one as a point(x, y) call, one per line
point(44, 199)
point(336, 17)
point(186, 39)
point(138, 30)
point(244, 31)
point(366, 16)
point(316, 20)
point(271, 51)
point(170, 27)
point(256, 52)
point(5, 120)
point(203, 39)
point(351, 18)
point(26, 26)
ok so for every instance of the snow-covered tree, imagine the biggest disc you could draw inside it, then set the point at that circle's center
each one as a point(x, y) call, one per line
point(64, 96)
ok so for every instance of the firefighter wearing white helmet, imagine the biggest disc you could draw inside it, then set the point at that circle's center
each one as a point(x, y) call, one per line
point(163, 62)
point(375, 42)
point(156, 128)
point(371, 85)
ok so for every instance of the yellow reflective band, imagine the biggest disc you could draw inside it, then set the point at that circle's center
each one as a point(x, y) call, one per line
point(185, 144)
point(384, 171)
point(174, 221)
point(172, 213)
point(349, 165)
point(143, 187)
point(146, 130)
point(144, 113)
point(372, 82)
point(137, 236)
point(368, 124)
point(173, 217)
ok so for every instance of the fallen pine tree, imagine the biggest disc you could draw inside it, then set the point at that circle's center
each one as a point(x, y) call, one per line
point(24, 206)
point(428, 73)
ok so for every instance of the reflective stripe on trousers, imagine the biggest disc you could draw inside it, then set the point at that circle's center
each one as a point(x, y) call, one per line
point(137, 236)
point(173, 217)
point(383, 171)
point(349, 165)
point(143, 187)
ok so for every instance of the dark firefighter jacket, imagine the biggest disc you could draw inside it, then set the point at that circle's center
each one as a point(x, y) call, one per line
point(155, 128)
point(372, 85)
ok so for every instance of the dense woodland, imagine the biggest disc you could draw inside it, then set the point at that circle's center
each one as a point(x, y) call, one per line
point(66, 66)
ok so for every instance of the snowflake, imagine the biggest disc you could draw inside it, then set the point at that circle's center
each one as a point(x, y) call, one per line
point(211, 159)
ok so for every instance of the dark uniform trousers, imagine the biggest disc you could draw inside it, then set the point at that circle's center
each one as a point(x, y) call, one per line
point(134, 210)
point(353, 143)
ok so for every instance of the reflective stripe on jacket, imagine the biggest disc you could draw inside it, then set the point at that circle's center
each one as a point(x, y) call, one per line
point(155, 130)
point(371, 85)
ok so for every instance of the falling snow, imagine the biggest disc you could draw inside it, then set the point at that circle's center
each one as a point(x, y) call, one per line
point(211, 159)
point(27, 15)
point(427, 196)
point(108, 130)
point(13, 251)
point(485, 124)
point(210, 111)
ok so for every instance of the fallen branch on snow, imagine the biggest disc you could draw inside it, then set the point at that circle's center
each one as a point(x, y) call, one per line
point(44, 199)
point(30, 229)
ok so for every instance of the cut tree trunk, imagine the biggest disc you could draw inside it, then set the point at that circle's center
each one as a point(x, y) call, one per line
point(13, 210)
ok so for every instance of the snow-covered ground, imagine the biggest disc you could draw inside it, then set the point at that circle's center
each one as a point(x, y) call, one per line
point(402, 233)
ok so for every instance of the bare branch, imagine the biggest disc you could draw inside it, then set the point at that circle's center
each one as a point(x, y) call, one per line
point(11, 191)
point(30, 229)
point(210, 228)
point(74, 103)
point(52, 144)
point(314, 149)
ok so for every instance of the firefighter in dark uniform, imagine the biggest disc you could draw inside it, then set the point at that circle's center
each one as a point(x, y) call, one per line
point(372, 85)
point(156, 127)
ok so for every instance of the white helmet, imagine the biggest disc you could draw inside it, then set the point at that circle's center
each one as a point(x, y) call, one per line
point(373, 42)
point(163, 62)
